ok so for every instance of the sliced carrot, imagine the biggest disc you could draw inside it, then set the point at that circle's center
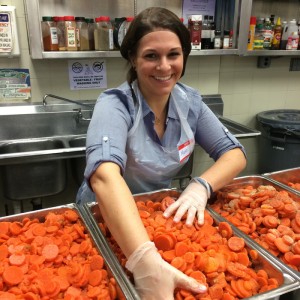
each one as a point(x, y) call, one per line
point(281, 245)
point(3, 252)
point(71, 215)
point(17, 259)
point(225, 230)
point(163, 242)
point(236, 243)
point(50, 252)
point(39, 230)
point(97, 262)
point(95, 277)
point(181, 248)
point(4, 227)
point(12, 275)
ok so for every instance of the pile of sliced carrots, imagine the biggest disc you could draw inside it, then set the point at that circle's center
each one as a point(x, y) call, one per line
point(294, 185)
point(270, 217)
point(210, 253)
point(52, 258)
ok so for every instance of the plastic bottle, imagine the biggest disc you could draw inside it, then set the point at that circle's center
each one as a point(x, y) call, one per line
point(226, 39)
point(205, 33)
point(195, 28)
point(251, 33)
point(293, 41)
point(267, 34)
point(287, 31)
point(217, 40)
point(60, 22)
point(82, 34)
point(91, 27)
point(103, 34)
point(49, 33)
point(70, 33)
point(277, 35)
point(212, 31)
point(258, 37)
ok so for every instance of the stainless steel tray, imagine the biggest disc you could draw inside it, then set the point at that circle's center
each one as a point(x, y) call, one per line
point(283, 177)
point(41, 214)
point(256, 181)
point(288, 280)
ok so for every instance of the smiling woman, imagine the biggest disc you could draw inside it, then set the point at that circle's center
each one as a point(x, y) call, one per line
point(141, 135)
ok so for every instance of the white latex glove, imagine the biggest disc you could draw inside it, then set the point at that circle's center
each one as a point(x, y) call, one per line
point(192, 200)
point(156, 279)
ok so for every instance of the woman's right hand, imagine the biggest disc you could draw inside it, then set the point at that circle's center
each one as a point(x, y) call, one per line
point(154, 278)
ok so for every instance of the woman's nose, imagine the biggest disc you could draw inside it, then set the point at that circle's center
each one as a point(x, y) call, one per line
point(163, 64)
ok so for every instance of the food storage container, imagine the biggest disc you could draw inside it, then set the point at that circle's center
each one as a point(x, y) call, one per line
point(67, 231)
point(286, 278)
point(288, 177)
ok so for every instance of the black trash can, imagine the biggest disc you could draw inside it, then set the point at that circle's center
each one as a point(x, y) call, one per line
point(279, 142)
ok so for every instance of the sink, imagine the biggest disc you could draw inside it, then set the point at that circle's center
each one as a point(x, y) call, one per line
point(78, 164)
point(34, 179)
point(31, 145)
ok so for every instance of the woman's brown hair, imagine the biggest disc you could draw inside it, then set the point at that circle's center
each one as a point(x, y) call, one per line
point(147, 21)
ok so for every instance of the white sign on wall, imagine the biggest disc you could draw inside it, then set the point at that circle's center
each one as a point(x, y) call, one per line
point(87, 74)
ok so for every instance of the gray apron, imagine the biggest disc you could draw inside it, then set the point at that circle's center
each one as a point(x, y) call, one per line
point(151, 166)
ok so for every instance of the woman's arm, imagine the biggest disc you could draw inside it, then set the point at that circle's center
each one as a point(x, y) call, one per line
point(118, 207)
point(229, 165)
point(153, 277)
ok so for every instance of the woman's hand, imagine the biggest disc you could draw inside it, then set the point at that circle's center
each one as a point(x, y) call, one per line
point(154, 278)
point(193, 201)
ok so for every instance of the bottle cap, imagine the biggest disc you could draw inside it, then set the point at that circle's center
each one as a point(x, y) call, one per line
point(253, 20)
point(47, 18)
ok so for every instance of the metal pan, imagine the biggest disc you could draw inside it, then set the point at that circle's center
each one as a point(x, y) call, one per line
point(125, 293)
point(288, 280)
point(283, 177)
point(256, 181)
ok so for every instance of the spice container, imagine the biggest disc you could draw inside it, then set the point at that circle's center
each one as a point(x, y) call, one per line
point(195, 28)
point(91, 27)
point(70, 33)
point(60, 23)
point(82, 37)
point(49, 32)
point(103, 34)
point(226, 40)
point(217, 40)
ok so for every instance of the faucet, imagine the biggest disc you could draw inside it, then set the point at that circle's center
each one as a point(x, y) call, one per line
point(64, 99)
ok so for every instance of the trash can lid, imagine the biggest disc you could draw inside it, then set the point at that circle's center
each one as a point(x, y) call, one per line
point(281, 118)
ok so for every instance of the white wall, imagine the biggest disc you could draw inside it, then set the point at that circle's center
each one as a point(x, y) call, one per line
point(245, 89)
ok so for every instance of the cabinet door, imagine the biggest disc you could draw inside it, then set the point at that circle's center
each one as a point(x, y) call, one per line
point(285, 9)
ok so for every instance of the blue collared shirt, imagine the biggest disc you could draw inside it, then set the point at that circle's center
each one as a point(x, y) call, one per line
point(114, 115)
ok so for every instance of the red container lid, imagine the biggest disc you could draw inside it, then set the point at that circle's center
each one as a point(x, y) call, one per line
point(253, 20)
point(69, 18)
point(103, 18)
point(129, 19)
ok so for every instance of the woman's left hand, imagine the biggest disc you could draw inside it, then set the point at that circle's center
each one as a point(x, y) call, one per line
point(193, 201)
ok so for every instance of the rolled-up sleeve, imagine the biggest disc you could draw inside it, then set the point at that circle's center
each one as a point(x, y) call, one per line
point(107, 132)
point(213, 136)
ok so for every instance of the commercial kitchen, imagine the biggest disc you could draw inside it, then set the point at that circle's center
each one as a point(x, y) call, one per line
point(254, 93)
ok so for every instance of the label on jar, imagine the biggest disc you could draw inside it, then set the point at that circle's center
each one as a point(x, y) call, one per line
point(71, 37)
point(54, 37)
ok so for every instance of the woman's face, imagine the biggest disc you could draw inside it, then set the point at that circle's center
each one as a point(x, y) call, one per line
point(158, 63)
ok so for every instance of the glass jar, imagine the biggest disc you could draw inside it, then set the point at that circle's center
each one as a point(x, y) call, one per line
point(91, 28)
point(217, 40)
point(226, 40)
point(70, 33)
point(103, 34)
point(49, 33)
point(82, 35)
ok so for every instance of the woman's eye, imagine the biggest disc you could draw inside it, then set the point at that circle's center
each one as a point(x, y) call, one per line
point(174, 54)
point(150, 56)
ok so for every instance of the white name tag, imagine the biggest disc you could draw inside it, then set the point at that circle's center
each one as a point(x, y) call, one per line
point(185, 149)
